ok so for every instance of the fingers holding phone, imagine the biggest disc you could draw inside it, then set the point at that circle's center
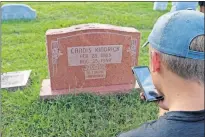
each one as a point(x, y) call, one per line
point(142, 97)
point(161, 103)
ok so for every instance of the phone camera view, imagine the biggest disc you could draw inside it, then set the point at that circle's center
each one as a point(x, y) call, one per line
point(145, 80)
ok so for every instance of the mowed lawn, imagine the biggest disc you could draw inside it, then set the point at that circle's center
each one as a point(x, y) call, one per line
point(84, 115)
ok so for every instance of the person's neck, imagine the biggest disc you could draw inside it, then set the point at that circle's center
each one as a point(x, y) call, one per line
point(183, 95)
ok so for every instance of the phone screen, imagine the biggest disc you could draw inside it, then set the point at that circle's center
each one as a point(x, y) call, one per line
point(144, 80)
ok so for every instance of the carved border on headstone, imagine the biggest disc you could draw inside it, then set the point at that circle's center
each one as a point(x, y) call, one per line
point(56, 53)
point(132, 49)
point(93, 33)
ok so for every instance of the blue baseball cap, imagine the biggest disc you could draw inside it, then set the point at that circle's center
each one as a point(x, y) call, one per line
point(174, 31)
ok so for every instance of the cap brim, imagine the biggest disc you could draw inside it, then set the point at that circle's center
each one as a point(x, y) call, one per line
point(145, 44)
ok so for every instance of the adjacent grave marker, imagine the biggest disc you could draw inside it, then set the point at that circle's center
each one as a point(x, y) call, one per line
point(93, 58)
point(13, 80)
point(17, 11)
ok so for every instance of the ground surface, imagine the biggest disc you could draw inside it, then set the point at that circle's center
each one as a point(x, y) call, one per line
point(23, 47)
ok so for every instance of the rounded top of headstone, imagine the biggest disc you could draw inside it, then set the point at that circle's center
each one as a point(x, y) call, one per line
point(16, 5)
point(90, 26)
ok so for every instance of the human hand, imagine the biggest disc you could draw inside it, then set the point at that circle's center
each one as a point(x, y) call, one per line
point(161, 103)
point(142, 96)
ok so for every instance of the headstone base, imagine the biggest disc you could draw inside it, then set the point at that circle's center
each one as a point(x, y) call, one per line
point(47, 93)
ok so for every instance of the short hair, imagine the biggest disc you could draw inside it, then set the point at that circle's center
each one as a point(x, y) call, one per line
point(187, 68)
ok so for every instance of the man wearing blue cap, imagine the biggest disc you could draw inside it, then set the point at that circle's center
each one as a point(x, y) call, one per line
point(176, 47)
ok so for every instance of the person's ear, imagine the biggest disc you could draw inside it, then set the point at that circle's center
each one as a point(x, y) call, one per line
point(155, 61)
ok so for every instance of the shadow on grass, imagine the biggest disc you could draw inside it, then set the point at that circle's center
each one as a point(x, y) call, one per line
point(18, 21)
point(89, 97)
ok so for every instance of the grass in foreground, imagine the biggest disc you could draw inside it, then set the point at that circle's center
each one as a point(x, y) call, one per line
point(85, 115)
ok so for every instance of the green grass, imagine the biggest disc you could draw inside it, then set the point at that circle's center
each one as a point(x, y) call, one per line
point(85, 115)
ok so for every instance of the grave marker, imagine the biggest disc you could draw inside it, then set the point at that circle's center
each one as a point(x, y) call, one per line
point(13, 80)
point(17, 11)
point(94, 58)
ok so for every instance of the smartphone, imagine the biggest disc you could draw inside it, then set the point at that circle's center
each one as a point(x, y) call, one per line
point(144, 79)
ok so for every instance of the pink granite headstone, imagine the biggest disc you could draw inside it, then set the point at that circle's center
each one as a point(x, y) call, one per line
point(94, 58)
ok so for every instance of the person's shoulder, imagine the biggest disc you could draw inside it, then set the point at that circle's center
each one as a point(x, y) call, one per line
point(148, 129)
point(171, 124)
